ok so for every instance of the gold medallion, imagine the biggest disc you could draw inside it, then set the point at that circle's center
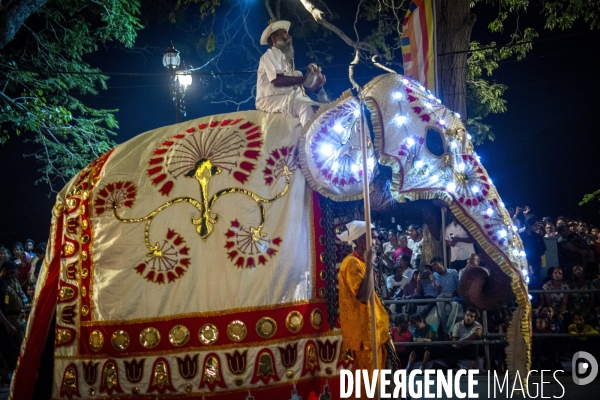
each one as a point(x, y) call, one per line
point(189, 387)
point(84, 239)
point(91, 391)
point(266, 327)
point(208, 334)
point(69, 249)
point(149, 338)
point(294, 321)
point(236, 330)
point(62, 336)
point(239, 382)
point(85, 310)
point(289, 374)
point(120, 340)
point(179, 335)
point(84, 273)
point(316, 318)
point(84, 255)
point(135, 390)
point(66, 293)
point(322, 292)
point(84, 224)
point(323, 275)
point(96, 340)
point(83, 291)
point(328, 371)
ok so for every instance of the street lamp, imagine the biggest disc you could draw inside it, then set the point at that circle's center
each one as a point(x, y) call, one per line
point(181, 78)
point(171, 58)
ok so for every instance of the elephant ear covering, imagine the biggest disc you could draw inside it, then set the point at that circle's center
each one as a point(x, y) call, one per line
point(514, 336)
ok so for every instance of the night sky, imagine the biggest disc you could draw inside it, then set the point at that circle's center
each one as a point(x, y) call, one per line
point(544, 155)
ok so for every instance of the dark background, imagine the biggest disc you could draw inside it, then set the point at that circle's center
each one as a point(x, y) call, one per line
point(544, 155)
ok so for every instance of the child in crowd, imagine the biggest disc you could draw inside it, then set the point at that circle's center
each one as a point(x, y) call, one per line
point(554, 323)
point(422, 332)
point(580, 327)
point(401, 333)
point(541, 346)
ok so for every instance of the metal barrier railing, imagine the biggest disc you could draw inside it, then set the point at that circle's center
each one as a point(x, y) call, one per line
point(486, 335)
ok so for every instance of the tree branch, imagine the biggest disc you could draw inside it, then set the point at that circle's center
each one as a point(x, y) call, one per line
point(13, 16)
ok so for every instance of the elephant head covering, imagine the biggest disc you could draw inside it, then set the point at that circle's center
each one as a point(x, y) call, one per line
point(355, 229)
point(273, 27)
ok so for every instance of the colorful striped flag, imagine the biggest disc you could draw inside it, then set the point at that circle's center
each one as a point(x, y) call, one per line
point(418, 43)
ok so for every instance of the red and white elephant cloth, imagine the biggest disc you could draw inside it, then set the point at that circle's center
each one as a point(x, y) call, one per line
point(185, 263)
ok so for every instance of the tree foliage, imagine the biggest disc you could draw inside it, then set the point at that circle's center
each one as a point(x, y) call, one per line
point(42, 72)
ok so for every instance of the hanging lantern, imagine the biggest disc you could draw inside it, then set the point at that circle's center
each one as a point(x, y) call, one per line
point(171, 58)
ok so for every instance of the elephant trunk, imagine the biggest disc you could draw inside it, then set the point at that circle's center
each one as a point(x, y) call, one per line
point(485, 288)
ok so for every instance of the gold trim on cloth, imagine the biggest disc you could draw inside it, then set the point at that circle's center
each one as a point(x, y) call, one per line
point(236, 330)
point(120, 340)
point(294, 321)
point(208, 334)
point(316, 318)
point(96, 340)
point(179, 335)
point(150, 337)
point(262, 343)
point(518, 286)
point(266, 327)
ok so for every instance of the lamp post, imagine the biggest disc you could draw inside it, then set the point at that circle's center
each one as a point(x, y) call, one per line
point(181, 78)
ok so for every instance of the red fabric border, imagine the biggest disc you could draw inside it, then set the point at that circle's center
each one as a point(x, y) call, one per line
point(27, 367)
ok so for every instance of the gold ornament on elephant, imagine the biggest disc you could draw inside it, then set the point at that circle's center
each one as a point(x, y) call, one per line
point(203, 172)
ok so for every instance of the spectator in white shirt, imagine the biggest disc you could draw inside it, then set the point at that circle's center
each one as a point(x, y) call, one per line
point(461, 245)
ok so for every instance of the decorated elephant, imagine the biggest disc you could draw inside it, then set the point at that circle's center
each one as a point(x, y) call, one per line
point(192, 260)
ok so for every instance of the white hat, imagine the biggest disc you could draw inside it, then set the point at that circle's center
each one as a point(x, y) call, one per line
point(273, 26)
point(355, 229)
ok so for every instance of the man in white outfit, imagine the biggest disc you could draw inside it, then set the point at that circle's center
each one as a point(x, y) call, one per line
point(279, 87)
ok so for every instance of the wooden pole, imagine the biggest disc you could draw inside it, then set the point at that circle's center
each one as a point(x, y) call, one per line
point(367, 204)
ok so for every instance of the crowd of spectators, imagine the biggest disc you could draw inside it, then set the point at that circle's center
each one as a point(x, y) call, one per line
point(563, 255)
point(19, 269)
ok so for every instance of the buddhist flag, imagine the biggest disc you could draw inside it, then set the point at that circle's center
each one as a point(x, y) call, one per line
point(418, 43)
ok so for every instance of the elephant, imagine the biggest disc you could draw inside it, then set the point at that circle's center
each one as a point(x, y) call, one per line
point(192, 259)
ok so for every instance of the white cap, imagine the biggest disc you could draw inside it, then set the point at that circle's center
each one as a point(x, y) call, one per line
point(355, 229)
point(273, 26)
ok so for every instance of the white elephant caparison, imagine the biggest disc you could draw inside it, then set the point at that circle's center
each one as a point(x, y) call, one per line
point(188, 261)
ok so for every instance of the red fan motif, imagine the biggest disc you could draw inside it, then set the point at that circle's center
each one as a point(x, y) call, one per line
point(232, 145)
point(282, 157)
point(244, 251)
point(121, 194)
point(168, 264)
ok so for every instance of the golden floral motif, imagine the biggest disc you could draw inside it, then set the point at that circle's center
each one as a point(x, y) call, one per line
point(179, 335)
point(161, 377)
point(266, 327)
point(84, 224)
point(66, 293)
point(62, 336)
point(294, 321)
point(211, 370)
point(110, 376)
point(150, 337)
point(316, 318)
point(120, 340)
point(236, 330)
point(96, 340)
point(69, 249)
point(208, 334)
point(70, 381)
